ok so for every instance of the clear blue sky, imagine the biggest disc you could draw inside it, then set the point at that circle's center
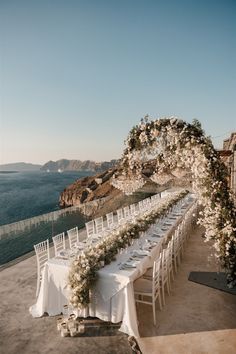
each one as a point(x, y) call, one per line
point(77, 75)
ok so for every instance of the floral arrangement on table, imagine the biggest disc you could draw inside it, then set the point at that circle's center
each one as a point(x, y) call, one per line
point(177, 147)
point(83, 272)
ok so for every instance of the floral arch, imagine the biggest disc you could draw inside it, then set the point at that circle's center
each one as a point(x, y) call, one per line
point(178, 146)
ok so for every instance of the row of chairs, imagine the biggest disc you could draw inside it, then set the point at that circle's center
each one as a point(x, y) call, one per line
point(153, 284)
point(59, 242)
point(99, 226)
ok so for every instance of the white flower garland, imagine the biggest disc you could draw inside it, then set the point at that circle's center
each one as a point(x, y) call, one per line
point(83, 272)
point(177, 145)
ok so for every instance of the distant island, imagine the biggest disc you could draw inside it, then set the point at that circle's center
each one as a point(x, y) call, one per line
point(19, 167)
point(59, 166)
point(77, 165)
point(8, 172)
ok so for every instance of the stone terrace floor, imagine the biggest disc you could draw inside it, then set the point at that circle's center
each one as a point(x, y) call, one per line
point(196, 319)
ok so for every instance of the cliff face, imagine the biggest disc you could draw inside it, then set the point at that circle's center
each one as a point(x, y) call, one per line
point(89, 189)
point(77, 165)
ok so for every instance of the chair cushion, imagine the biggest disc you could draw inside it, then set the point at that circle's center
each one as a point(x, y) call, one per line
point(143, 286)
point(148, 273)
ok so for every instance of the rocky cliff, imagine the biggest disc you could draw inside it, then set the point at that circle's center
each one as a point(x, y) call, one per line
point(77, 165)
point(88, 189)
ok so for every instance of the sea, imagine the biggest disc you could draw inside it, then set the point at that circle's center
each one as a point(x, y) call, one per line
point(25, 195)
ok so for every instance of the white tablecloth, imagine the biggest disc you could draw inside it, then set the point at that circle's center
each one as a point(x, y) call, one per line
point(113, 296)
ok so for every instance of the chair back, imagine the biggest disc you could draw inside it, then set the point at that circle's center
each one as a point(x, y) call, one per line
point(90, 228)
point(59, 243)
point(120, 215)
point(164, 265)
point(99, 225)
point(73, 236)
point(133, 209)
point(169, 254)
point(153, 200)
point(42, 253)
point(110, 220)
point(42, 256)
point(126, 212)
point(141, 205)
point(156, 277)
point(147, 203)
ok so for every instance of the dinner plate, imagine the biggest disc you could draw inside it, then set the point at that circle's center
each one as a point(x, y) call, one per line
point(156, 235)
point(129, 264)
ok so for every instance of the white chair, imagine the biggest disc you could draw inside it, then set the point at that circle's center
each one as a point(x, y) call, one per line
point(59, 243)
point(141, 206)
point(42, 256)
point(73, 236)
point(120, 216)
point(110, 220)
point(153, 200)
point(165, 272)
point(177, 246)
point(170, 248)
point(90, 228)
point(148, 204)
point(99, 227)
point(133, 210)
point(126, 212)
point(150, 289)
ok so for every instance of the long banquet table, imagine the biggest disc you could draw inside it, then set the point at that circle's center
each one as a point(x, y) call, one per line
point(112, 297)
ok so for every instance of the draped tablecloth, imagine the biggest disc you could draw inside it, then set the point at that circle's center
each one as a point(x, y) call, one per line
point(112, 296)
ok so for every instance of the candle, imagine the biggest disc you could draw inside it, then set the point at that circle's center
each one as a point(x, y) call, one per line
point(73, 332)
point(81, 328)
point(72, 316)
point(71, 323)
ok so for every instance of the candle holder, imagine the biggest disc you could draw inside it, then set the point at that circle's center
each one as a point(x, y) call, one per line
point(69, 325)
point(64, 330)
point(73, 332)
point(60, 320)
point(81, 328)
point(66, 311)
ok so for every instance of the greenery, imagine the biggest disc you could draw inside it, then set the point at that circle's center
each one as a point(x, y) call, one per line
point(83, 272)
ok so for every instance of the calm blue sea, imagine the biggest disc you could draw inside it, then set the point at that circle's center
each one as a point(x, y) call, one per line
point(27, 194)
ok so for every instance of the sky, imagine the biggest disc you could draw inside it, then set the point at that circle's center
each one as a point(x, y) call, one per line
point(76, 76)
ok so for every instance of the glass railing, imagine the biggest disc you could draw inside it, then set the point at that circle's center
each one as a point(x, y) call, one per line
point(19, 238)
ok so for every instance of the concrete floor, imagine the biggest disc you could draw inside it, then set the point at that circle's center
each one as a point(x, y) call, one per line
point(196, 319)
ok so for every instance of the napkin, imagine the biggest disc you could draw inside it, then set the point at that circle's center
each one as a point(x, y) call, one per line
point(141, 253)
